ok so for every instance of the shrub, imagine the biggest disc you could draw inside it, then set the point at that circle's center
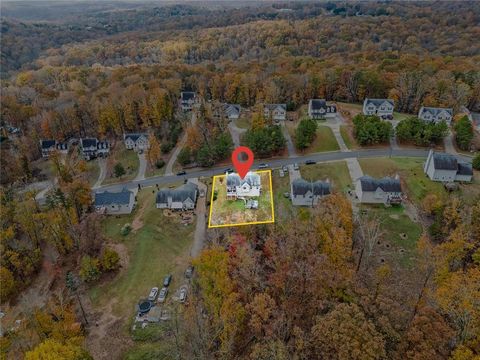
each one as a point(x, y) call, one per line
point(8, 283)
point(126, 229)
point(370, 129)
point(419, 132)
point(476, 162)
point(305, 133)
point(110, 260)
point(265, 141)
point(90, 269)
point(119, 170)
point(166, 147)
point(159, 164)
point(464, 133)
point(184, 157)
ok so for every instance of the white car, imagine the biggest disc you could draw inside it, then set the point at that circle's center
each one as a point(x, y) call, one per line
point(153, 294)
point(163, 295)
point(295, 166)
point(183, 295)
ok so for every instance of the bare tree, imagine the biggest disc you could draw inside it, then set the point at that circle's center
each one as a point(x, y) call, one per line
point(368, 233)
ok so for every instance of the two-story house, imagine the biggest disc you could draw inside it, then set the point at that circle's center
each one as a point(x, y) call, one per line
point(379, 191)
point(181, 198)
point(446, 168)
point(435, 115)
point(319, 109)
point(47, 147)
point(92, 148)
point(232, 111)
point(306, 193)
point(276, 112)
point(249, 186)
point(137, 141)
point(380, 107)
point(187, 100)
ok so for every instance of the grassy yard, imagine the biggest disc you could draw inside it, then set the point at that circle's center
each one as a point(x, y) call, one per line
point(243, 122)
point(232, 212)
point(93, 170)
point(336, 172)
point(399, 241)
point(410, 171)
point(159, 246)
point(129, 160)
point(283, 206)
point(401, 116)
point(348, 137)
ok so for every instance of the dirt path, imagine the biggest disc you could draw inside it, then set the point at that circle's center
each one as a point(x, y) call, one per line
point(200, 229)
point(142, 167)
point(290, 146)
point(106, 336)
point(235, 133)
point(102, 163)
point(448, 143)
point(137, 222)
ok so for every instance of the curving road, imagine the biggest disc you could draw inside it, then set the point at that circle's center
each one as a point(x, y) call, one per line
point(277, 163)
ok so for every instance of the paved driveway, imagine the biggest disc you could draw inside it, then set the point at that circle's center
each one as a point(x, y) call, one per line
point(290, 145)
point(201, 212)
point(178, 148)
point(141, 167)
point(102, 164)
point(235, 132)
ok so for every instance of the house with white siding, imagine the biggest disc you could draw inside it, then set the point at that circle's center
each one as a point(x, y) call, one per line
point(181, 198)
point(308, 193)
point(319, 109)
point(380, 107)
point(249, 186)
point(446, 168)
point(276, 112)
point(379, 191)
point(187, 100)
point(136, 141)
point(435, 115)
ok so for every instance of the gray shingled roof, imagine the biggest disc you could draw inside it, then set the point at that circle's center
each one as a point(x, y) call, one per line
point(89, 142)
point(47, 144)
point(318, 104)
point(180, 194)
point(133, 136)
point(435, 111)
point(274, 106)
point(465, 169)
point(387, 184)
point(301, 187)
point(443, 161)
point(113, 198)
point(232, 109)
point(378, 102)
point(187, 95)
point(251, 178)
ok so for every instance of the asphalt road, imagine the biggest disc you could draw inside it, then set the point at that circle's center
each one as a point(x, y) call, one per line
point(276, 163)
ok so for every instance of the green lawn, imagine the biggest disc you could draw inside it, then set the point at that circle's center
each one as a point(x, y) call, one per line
point(401, 116)
point(243, 122)
point(324, 141)
point(395, 223)
point(159, 247)
point(232, 212)
point(283, 206)
point(129, 160)
point(347, 137)
point(411, 174)
point(337, 172)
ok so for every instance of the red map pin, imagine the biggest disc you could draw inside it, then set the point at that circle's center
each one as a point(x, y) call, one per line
point(242, 159)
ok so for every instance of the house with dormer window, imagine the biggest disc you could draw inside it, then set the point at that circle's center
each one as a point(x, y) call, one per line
point(383, 108)
point(137, 141)
point(276, 112)
point(435, 115)
point(238, 188)
point(319, 109)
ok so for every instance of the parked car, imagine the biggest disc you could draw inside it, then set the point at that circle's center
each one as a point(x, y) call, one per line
point(229, 170)
point(285, 168)
point(189, 272)
point(310, 162)
point(183, 295)
point(153, 294)
point(167, 280)
point(295, 166)
point(263, 166)
point(162, 295)
point(180, 173)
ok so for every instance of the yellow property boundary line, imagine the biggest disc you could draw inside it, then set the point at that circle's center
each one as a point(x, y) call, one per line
point(246, 223)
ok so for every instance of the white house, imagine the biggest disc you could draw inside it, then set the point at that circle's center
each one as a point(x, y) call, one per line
point(319, 109)
point(446, 168)
point(435, 115)
point(137, 142)
point(187, 100)
point(232, 111)
point(380, 107)
point(121, 202)
point(92, 148)
point(249, 186)
point(181, 198)
point(276, 112)
point(306, 193)
point(379, 191)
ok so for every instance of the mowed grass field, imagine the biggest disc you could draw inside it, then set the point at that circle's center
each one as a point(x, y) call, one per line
point(337, 172)
point(348, 137)
point(324, 141)
point(160, 246)
point(233, 212)
point(129, 160)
